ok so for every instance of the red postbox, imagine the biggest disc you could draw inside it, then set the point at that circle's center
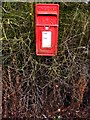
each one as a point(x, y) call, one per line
point(47, 16)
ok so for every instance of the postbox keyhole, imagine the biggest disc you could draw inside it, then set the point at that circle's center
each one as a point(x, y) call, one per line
point(46, 27)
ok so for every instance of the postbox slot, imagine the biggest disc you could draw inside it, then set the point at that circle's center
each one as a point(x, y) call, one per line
point(47, 15)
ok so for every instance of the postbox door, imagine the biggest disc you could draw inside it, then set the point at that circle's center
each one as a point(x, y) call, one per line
point(47, 40)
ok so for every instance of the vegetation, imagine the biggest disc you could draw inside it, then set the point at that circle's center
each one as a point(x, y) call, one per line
point(50, 88)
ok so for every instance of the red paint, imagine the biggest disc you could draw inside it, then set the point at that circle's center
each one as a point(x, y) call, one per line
point(47, 37)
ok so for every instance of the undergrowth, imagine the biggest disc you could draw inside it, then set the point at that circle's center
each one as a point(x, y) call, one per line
point(49, 88)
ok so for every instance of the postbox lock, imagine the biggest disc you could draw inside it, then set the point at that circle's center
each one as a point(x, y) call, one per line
point(46, 27)
point(47, 16)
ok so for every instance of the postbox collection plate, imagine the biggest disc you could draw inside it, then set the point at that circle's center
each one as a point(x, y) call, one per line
point(46, 39)
point(47, 16)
